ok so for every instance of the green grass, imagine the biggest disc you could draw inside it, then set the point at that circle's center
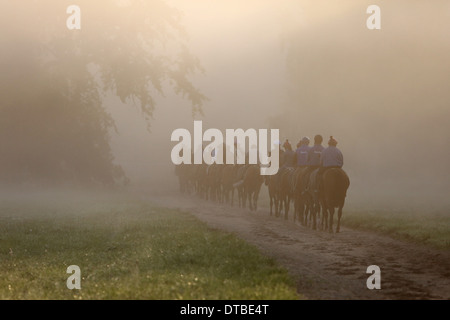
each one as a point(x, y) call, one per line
point(128, 251)
point(426, 228)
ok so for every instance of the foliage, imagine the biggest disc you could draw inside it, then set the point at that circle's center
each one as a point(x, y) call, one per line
point(54, 125)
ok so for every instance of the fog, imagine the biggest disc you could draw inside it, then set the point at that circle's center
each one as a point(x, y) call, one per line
point(306, 68)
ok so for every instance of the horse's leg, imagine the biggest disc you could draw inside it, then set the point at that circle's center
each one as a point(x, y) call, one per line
point(280, 206)
point(288, 204)
point(241, 199)
point(339, 219)
point(310, 215)
point(271, 204)
point(304, 213)
point(239, 193)
point(330, 225)
point(295, 207)
point(301, 211)
point(251, 199)
point(324, 218)
point(276, 204)
point(286, 207)
point(307, 214)
point(312, 212)
point(320, 215)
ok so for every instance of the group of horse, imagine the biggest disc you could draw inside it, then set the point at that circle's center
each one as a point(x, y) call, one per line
point(314, 200)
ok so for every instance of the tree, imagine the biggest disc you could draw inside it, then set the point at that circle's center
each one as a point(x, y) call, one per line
point(53, 124)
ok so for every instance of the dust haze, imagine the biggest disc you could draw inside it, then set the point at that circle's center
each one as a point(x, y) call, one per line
point(304, 67)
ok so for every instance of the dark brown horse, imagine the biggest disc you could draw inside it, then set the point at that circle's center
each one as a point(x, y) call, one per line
point(238, 183)
point(335, 184)
point(213, 182)
point(252, 185)
point(228, 174)
point(184, 174)
point(315, 201)
point(298, 186)
point(272, 186)
point(200, 179)
point(285, 189)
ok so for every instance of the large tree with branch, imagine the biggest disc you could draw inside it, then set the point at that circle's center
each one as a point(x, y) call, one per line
point(54, 125)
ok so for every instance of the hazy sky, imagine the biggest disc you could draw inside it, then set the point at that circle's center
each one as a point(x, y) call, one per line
point(239, 46)
point(380, 92)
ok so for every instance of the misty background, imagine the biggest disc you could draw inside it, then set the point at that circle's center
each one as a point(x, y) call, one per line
point(305, 67)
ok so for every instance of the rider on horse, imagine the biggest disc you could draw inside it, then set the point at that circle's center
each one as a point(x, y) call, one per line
point(331, 157)
point(302, 152)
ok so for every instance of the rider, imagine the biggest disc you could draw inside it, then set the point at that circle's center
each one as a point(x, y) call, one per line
point(302, 152)
point(314, 155)
point(331, 157)
point(315, 152)
point(290, 157)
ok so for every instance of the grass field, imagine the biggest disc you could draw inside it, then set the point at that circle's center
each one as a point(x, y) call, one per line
point(431, 228)
point(128, 251)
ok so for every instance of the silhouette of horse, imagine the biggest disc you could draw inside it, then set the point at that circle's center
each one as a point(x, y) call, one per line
point(301, 203)
point(213, 182)
point(238, 183)
point(285, 189)
point(252, 185)
point(200, 180)
point(272, 186)
point(228, 174)
point(335, 184)
point(184, 174)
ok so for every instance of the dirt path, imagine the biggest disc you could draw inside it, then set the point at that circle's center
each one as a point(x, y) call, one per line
point(330, 266)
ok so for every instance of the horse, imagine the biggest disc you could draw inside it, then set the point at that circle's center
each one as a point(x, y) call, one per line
point(238, 183)
point(182, 171)
point(297, 185)
point(251, 186)
point(314, 201)
point(213, 182)
point(227, 179)
point(285, 190)
point(335, 185)
point(272, 186)
point(200, 180)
